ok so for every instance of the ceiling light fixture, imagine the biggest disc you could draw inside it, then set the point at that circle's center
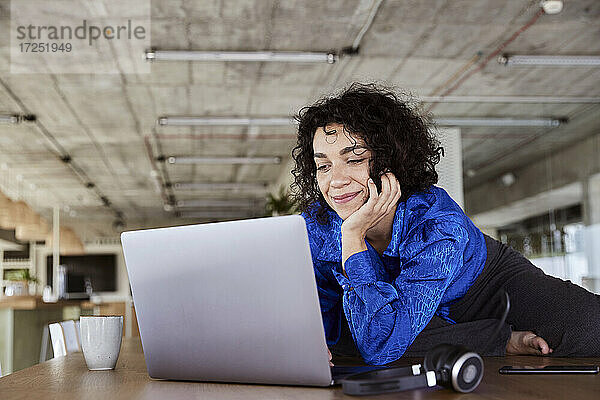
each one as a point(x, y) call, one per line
point(509, 99)
point(224, 160)
point(16, 118)
point(508, 179)
point(277, 121)
point(576, 61)
point(237, 203)
point(243, 56)
point(551, 122)
point(216, 215)
point(223, 121)
point(551, 6)
point(9, 119)
point(219, 186)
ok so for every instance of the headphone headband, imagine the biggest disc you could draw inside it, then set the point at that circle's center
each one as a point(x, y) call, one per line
point(388, 380)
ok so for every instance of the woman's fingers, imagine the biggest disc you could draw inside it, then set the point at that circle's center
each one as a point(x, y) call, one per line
point(373, 193)
point(377, 206)
point(539, 344)
point(399, 188)
point(527, 342)
point(530, 344)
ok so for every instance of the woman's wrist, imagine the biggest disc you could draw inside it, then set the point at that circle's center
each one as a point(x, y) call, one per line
point(353, 233)
point(352, 243)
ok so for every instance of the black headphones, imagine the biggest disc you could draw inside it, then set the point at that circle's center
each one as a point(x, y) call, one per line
point(452, 366)
point(447, 365)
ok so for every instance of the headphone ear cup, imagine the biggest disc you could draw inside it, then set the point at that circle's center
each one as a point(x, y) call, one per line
point(466, 370)
point(456, 367)
point(437, 357)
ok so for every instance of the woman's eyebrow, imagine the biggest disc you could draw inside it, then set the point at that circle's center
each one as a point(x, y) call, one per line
point(343, 151)
point(352, 148)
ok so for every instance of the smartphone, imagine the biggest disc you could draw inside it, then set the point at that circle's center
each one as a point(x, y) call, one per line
point(377, 182)
point(550, 369)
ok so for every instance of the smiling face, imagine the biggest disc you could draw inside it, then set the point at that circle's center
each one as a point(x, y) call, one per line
point(342, 162)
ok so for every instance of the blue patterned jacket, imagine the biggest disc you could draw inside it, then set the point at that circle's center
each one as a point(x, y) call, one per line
point(434, 256)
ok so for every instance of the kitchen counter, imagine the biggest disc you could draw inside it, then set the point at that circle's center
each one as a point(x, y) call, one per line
point(36, 302)
point(23, 320)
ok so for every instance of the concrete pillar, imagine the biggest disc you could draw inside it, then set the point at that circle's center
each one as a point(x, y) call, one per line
point(55, 248)
point(450, 169)
point(591, 200)
point(591, 219)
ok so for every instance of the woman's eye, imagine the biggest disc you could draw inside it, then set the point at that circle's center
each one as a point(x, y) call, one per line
point(322, 168)
point(356, 161)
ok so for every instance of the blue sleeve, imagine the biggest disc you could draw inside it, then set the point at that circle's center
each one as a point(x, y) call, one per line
point(329, 292)
point(385, 318)
point(330, 300)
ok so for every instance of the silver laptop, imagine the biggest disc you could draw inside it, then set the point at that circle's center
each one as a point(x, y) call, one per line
point(230, 302)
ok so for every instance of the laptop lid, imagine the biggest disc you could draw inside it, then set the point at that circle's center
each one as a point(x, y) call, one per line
point(230, 302)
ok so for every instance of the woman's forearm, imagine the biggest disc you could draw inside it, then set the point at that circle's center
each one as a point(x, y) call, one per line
point(352, 243)
point(385, 315)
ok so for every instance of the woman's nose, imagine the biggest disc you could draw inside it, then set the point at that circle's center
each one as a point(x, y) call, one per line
point(339, 177)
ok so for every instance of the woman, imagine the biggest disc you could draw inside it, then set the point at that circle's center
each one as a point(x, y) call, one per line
point(399, 266)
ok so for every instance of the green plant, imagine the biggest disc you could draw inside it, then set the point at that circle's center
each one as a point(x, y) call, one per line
point(20, 275)
point(280, 203)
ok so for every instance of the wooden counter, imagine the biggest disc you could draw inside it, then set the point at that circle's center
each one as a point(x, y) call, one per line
point(68, 378)
point(23, 320)
point(36, 302)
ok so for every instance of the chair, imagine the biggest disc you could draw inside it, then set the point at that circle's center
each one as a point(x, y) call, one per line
point(64, 337)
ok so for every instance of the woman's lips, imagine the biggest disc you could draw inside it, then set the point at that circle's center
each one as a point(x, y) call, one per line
point(344, 198)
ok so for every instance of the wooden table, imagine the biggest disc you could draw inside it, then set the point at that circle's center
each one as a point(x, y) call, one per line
point(68, 378)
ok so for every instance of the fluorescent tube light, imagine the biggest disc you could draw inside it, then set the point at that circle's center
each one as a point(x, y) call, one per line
point(224, 160)
point(9, 119)
point(219, 186)
point(217, 215)
point(509, 99)
point(17, 118)
point(452, 121)
point(551, 122)
point(550, 60)
point(237, 203)
point(243, 56)
point(223, 121)
point(458, 121)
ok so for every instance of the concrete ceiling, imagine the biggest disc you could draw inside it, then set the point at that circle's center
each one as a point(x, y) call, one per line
point(107, 123)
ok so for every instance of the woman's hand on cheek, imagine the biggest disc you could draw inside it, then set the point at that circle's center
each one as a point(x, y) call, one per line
point(376, 207)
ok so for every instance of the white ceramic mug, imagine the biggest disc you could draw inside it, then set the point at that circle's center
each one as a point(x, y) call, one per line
point(101, 341)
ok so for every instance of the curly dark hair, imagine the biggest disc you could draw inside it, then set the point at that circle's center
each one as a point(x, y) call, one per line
point(398, 137)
